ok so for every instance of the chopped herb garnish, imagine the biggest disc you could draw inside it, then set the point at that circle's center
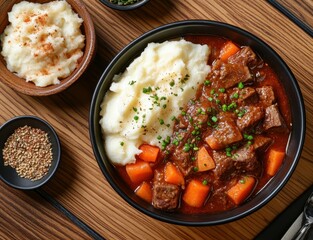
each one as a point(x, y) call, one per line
point(172, 83)
point(235, 95)
point(241, 112)
point(248, 137)
point(135, 109)
point(147, 90)
point(231, 106)
point(195, 169)
point(207, 83)
point(136, 118)
point(185, 78)
point(186, 147)
point(205, 182)
point(159, 137)
point(224, 107)
point(242, 181)
point(161, 121)
point(132, 82)
point(214, 119)
point(222, 90)
point(122, 144)
point(175, 142)
point(241, 85)
point(228, 151)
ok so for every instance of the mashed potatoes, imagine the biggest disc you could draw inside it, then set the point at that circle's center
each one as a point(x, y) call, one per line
point(143, 100)
point(43, 42)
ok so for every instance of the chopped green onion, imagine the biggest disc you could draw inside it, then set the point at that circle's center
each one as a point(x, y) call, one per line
point(235, 95)
point(207, 83)
point(241, 85)
point(147, 90)
point(214, 119)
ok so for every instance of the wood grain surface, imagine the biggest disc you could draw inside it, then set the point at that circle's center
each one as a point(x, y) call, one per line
point(302, 9)
point(79, 184)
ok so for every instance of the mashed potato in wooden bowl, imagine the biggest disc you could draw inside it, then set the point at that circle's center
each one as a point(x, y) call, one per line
point(43, 42)
point(142, 101)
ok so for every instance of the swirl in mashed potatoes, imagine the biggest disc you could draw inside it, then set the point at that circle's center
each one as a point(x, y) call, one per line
point(142, 101)
point(43, 42)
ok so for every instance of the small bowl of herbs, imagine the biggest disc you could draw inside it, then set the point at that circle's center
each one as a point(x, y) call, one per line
point(124, 4)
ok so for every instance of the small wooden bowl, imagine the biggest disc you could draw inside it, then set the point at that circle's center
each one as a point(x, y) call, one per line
point(29, 88)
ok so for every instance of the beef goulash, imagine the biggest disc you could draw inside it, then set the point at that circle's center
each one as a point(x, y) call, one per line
point(225, 144)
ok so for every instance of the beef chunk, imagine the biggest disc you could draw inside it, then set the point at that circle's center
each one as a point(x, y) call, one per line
point(242, 160)
point(243, 97)
point(251, 116)
point(260, 142)
point(225, 134)
point(272, 118)
point(224, 168)
point(245, 160)
point(165, 195)
point(247, 95)
point(227, 75)
point(266, 95)
point(244, 154)
point(232, 74)
point(243, 57)
point(182, 160)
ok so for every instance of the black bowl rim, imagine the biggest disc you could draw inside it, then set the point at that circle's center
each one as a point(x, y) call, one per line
point(195, 23)
point(124, 7)
point(57, 146)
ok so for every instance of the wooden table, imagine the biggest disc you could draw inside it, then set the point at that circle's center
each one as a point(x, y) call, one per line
point(78, 203)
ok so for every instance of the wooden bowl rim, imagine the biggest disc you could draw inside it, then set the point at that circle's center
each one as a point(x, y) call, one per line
point(29, 88)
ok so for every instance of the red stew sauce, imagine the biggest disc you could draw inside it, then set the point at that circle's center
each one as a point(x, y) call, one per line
point(240, 121)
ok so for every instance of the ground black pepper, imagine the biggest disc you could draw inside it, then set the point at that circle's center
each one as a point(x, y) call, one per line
point(28, 150)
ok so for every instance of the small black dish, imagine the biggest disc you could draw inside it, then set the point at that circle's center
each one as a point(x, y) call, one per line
point(124, 7)
point(9, 174)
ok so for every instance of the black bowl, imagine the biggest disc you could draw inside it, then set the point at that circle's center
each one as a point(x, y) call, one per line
point(7, 173)
point(124, 7)
point(242, 37)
